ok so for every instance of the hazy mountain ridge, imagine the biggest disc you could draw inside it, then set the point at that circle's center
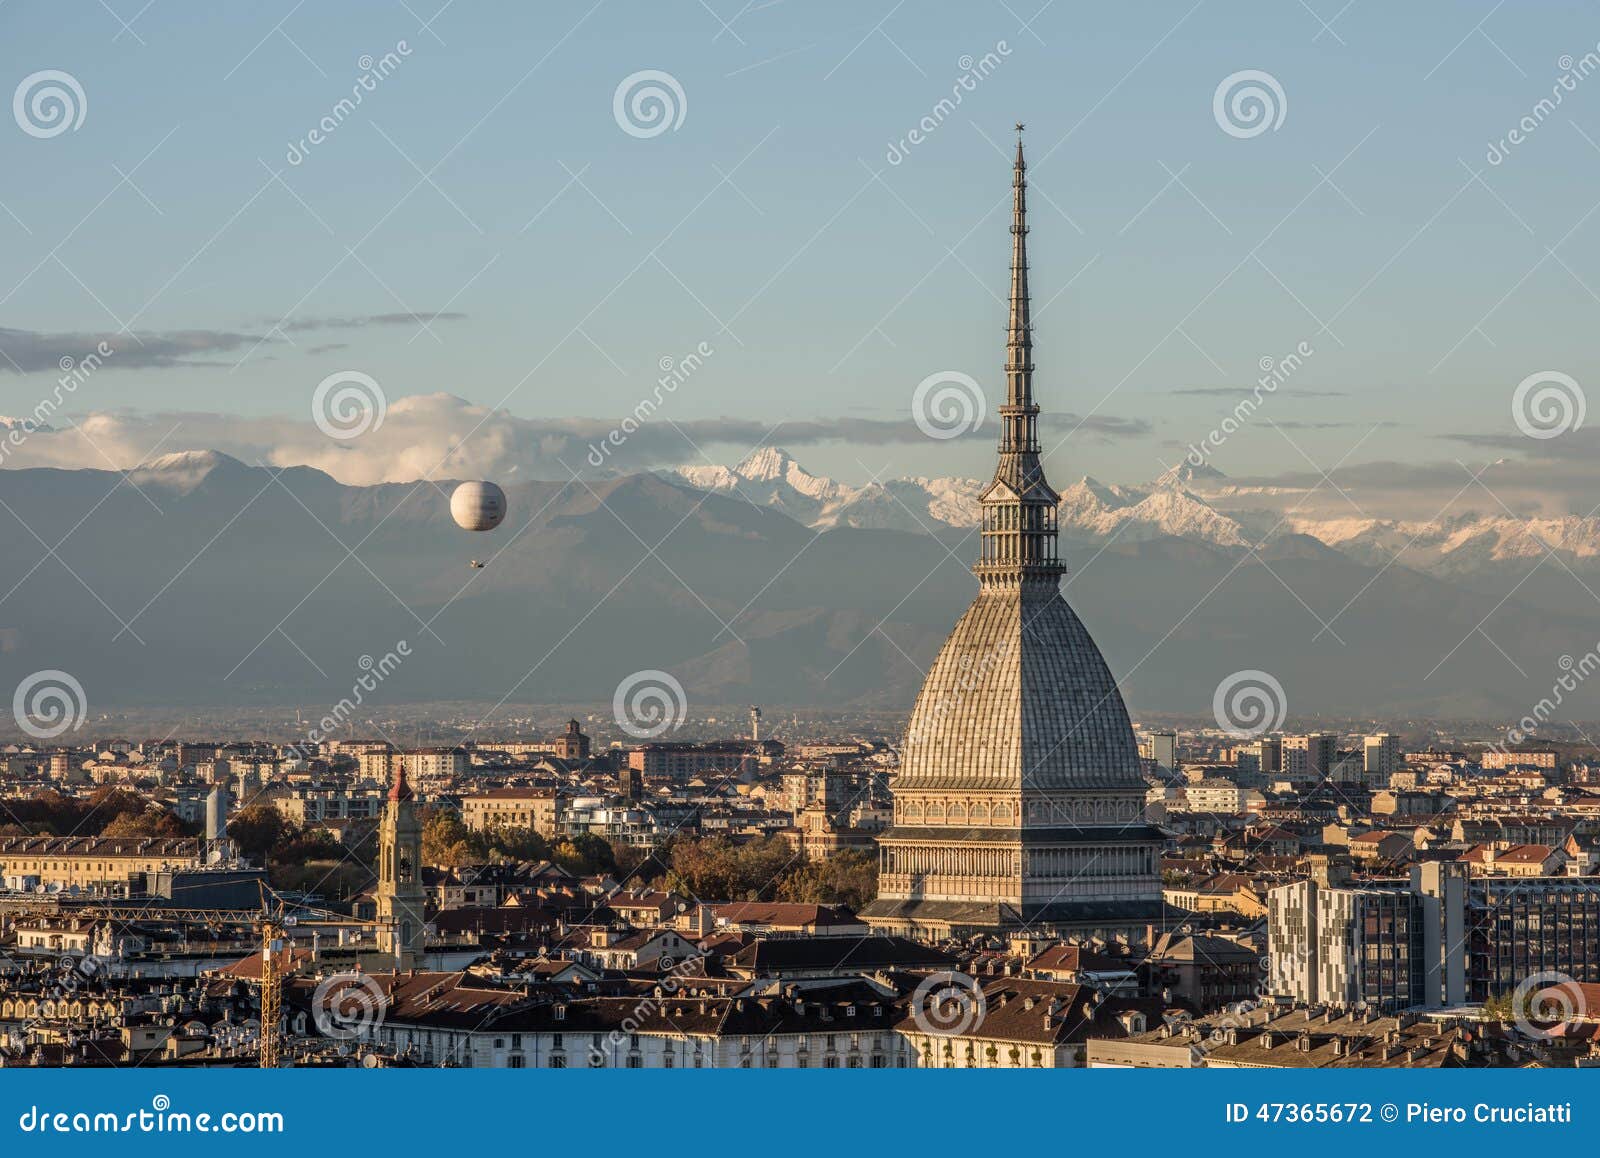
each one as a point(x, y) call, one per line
point(246, 586)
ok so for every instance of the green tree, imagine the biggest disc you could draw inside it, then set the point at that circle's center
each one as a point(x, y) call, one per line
point(846, 878)
point(258, 829)
point(586, 854)
point(517, 844)
point(148, 822)
point(448, 842)
point(717, 869)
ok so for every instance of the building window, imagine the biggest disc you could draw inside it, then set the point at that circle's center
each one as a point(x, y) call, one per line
point(515, 1061)
point(558, 1061)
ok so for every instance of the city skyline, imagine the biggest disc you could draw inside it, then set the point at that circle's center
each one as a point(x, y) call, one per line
point(525, 614)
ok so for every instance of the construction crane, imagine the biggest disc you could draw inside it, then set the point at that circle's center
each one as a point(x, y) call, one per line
point(274, 928)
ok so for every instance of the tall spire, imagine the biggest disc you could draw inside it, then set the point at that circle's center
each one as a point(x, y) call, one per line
point(1019, 508)
point(1019, 333)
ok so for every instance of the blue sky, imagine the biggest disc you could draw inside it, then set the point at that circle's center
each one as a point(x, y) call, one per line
point(1169, 256)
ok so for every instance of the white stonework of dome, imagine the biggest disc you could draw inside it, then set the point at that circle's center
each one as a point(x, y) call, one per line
point(1019, 699)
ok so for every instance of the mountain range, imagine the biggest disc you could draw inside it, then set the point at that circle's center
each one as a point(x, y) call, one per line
point(761, 583)
point(1188, 502)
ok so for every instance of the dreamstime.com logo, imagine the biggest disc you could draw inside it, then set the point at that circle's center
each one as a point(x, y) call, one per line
point(1543, 1004)
point(69, 976)
point(973, 73)
point(673, 975)
point(74, 373)
point(948, 404)
point(373, 673)
point(1249, 703)
point(948, 1005)
point(1572, 71)
point(973, 674)
point(1248, 103)
point(649, 703)
point(1573, 673)
point(1235, 1015)
point(674, 373)
point(348, 1005)
point(1548, 404)
point(347, 403)
point(648, 103)
point(1274, 373)
point(48, 103)
point(160, 1118)
point(48, 703)
point(372, 73)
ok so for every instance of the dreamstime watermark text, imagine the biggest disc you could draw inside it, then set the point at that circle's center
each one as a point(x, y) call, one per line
point(674, 373)
point(1572, 71)
point(74, 373)
point(374, 672)
point(973, 72)
point(159, 1118)
point(1275, 372)
point(1573, 673)
point(372, 73)
point(671, 981)
point(973, 673)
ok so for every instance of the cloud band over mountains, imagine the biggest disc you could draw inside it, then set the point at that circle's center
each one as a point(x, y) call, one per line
point(442, 436)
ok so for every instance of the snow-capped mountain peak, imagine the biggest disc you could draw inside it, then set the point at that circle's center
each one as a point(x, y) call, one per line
point(1187, 475)
point(766, 464)
point(1193, 503)
point(772, 477)
point(772, 464)
point(182, 470)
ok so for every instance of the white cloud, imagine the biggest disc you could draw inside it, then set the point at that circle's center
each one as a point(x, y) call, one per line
point(441, 436)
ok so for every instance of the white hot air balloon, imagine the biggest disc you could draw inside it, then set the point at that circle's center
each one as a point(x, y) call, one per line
point(478, 506)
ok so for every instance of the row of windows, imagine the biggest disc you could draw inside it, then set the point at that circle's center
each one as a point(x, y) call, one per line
point(78, 866)
point(445, 1045)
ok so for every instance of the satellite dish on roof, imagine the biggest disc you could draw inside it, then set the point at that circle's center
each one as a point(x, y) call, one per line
point(478, 506)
